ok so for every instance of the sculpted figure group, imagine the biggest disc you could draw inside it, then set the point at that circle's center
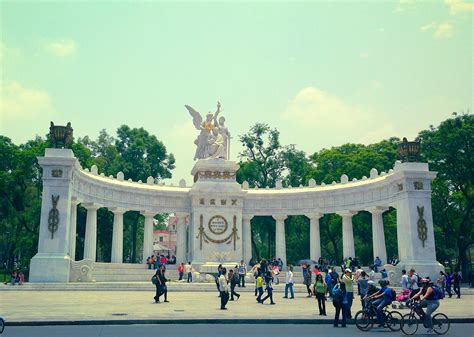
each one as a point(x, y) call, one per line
point(213, 140)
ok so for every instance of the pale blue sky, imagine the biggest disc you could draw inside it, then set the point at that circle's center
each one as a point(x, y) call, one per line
point(323, 73)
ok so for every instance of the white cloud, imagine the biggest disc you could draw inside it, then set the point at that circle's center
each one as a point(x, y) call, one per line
point(428, 26)
point(61, 48)
point(459, 6)
point(364, 55)
point(313, 106)
point(444, 30)
point(381, 30)
point(19, 102)
point(441, 31)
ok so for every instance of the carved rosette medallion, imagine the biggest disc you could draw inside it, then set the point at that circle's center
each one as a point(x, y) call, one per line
point(218, 224)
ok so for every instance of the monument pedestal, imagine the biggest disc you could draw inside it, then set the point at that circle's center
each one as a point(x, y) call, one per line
point(215, 234)
point(52, 262)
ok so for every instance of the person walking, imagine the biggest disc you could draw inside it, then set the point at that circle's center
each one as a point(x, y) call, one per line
point(189, 272)
point(457, 283)
point(348, 280)
point(307, 280)
point(289, 282)
point(242, 273)
point(449, 282)
point(328, 281)
point(180, 271)
point(157, 281)
point(259, 285)
point(164, 288)
point(268, 288)
point(320, 291)
point(223, 288)
point(234, 281)
point(339, 300)
point(441, 281)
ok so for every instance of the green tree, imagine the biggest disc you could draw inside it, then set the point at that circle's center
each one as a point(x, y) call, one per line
point(448, 149)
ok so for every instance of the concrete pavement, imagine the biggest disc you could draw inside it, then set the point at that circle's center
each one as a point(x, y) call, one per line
point(21, 307)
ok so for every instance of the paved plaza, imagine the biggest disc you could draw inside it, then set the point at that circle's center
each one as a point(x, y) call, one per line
point(108, 306)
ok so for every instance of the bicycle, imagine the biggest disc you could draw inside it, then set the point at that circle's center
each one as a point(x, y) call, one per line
point(411, 320)
point(365, 318)
point(2, 324)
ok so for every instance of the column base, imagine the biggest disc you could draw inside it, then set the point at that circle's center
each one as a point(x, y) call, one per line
point(49, 268)
point(422, 268)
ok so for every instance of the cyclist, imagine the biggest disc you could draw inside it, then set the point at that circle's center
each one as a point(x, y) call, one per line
point(382, 298)
point(370, 291)
point(429, 299)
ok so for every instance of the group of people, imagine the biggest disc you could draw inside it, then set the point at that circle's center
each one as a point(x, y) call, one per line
point(185, 269)
point(227, 282)
point(16, 278)
point(154, 261)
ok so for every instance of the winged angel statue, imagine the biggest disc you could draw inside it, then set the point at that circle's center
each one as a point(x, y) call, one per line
point(213, 140)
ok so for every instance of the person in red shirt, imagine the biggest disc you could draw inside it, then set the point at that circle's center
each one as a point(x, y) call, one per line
point(181, 271)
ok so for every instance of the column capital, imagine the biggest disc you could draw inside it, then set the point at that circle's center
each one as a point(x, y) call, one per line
point(91, 206)
point(117, 210)
point(148, 214)
point(75, 201)
point(247, 217)
point(280, 217)
point(348, 213)
point(377, 209)
point(314, 215)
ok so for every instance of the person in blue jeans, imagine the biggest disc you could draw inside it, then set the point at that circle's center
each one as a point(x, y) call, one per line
point(339, 300)
point(382, 298)
point(289, 282)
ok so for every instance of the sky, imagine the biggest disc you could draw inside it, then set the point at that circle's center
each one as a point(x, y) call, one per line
point(324, 73)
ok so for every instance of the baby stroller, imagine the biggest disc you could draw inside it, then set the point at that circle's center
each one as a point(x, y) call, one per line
point(402, 298)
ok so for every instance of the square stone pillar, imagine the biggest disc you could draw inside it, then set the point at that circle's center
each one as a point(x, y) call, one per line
point(280, 241)
point(415, 233)
point(52, 262)
point(247, 237)
point(181, 238)
point(73, 231)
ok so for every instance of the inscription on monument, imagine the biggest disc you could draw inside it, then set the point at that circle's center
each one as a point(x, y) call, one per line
point(218, 224)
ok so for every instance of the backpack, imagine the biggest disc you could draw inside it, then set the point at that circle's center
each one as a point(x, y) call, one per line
point(337, 298)
point(438, 294)
point(154, 280)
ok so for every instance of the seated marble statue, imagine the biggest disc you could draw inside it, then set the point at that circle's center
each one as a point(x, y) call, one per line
point(216, 145)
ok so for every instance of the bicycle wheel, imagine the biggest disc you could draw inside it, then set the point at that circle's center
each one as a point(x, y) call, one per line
point(2, 325)
point(409, 324)
point(363, 321)
point(441, 323)
point(394, 320)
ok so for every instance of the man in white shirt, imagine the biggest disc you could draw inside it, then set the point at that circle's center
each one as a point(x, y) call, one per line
point(371, 274)
point(189, 271)
point(404, 280)
point(223, 288)
point(413, 277)
point(289, 282)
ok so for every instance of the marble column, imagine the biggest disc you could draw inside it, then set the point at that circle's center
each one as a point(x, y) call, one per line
point(314, 236)
point(90, 240)
point(181, 238)
point(348, 249)
point(247, 237)
point(117, 235)
point(280, 242)
point(73, 229)
point(378, 235)
point(148, 235)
